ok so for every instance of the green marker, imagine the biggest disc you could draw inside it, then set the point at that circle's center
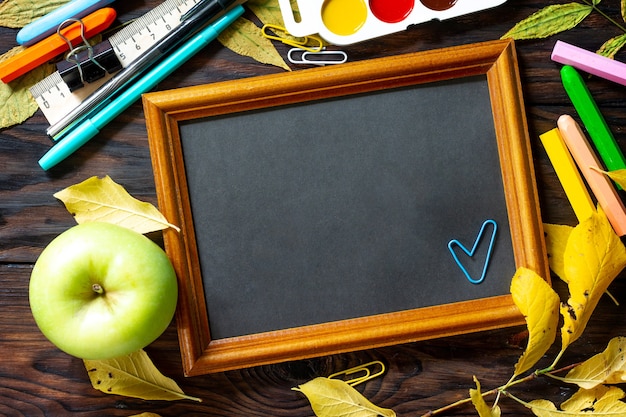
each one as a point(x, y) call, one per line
point(592, 119)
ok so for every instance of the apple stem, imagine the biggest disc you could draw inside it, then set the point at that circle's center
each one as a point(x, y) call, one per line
point(97, 288)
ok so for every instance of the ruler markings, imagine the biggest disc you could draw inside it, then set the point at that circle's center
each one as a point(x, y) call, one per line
point(54, 97)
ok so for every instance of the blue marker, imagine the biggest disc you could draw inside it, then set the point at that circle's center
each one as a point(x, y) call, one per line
point(47, 25)
point(91, 127)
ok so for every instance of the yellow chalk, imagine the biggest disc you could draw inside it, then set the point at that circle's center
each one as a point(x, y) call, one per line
point(568, 174)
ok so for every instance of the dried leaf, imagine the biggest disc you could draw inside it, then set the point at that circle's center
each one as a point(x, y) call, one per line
point(146, 415)
point(594, 256)
point(244, 37)
point(335, 398)
point(550, 20)
point(612, 46)
point(608, 367)
point(479, 403)
point(18, 103)
point(103, 200)
point(600, 401)
point(556, 241)
point(134, 376)
point(540, 306)
point(19, 13)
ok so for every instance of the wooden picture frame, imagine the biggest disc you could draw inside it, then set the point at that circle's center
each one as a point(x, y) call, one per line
point(167, 111)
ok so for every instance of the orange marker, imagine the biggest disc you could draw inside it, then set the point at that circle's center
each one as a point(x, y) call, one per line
point(55, 45)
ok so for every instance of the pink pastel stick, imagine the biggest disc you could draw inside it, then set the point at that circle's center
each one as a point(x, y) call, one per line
point(589, 62)
point(588, 163)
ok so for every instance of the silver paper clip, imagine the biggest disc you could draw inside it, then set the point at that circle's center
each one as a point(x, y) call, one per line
point(73, 55)
point(323, 57)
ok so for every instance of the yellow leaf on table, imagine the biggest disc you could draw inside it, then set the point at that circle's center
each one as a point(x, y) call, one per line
point(600, 401)
point(245, 38)
point(335, 398)
point(17, 103)
point(133, 376)
point(608, 367)
point(593, 258)
point(556, 241)
point(540, 306)
point(103, 200)
point(481, 406)
point(19, 13)
point(146, 415)
point(549, 21)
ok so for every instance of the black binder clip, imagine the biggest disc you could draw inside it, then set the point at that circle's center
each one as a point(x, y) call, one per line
point(86, 63)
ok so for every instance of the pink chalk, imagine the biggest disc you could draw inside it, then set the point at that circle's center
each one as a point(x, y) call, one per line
point(589, 62)
point(588, 163)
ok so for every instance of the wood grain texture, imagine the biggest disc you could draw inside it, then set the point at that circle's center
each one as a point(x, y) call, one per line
point(36, 379)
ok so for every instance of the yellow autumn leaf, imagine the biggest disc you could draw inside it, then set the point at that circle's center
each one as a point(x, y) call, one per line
point(556, 241)
point(17, 103)
point(19, 13)
point(601, 401)
point(593, 258)
point(146, 415)
point(244, 38)
point(540, 306)
point(103, 200)
point(548, 21)
point(134, 376)
point(607, 367)
point(335, 398)
point(479, 403)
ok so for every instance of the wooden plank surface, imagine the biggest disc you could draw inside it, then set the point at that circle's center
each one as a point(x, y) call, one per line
point(36, 379)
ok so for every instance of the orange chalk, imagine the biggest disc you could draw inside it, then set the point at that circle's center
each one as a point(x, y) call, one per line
point(54, 45)
point(588, 163)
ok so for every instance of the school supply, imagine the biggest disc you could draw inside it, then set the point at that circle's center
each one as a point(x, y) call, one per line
point(54, 96)
point(589, 62)
point(47, 25)
point(343, 22)
point(92, 126)
point(56, 44)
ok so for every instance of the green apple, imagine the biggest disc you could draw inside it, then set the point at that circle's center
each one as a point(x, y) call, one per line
point(100, 291)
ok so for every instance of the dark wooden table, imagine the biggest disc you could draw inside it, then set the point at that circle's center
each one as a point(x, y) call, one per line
point(36, 379)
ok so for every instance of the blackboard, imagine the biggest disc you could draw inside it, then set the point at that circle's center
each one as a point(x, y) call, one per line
point(318, 207)
point(336, 209)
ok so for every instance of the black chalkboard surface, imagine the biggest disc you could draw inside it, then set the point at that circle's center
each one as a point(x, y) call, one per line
point(335, 209)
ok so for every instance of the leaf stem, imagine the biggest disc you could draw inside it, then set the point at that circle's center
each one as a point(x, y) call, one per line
point(607, 17)
point(502, 389)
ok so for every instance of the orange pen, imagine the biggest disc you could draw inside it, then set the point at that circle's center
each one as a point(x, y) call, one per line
point(55, 45)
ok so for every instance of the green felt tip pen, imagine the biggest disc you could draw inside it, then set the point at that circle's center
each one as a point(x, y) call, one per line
point(592, 119)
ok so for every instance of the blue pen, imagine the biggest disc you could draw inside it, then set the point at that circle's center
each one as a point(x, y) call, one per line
point(47, 25)
point(91, 127)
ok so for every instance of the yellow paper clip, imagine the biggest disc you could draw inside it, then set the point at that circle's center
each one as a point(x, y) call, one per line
point(364, 370)
point(285, 37)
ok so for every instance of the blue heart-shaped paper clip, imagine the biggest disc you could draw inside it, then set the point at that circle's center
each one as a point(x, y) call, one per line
point(470, 253)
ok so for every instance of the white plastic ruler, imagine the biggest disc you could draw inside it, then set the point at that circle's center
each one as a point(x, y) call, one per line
point(54, 97)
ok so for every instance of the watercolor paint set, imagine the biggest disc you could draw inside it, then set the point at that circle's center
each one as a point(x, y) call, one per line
point(343, 22)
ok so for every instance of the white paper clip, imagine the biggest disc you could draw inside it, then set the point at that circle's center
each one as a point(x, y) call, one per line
point(323, 57)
